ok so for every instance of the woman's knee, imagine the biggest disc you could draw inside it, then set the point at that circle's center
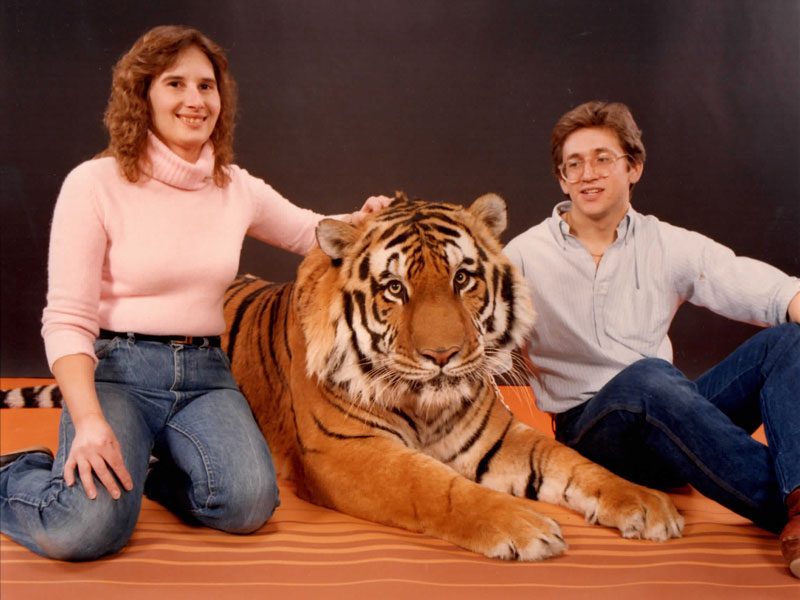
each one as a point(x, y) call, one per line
point(254, 511)
point(100, 527)
point(245, 505)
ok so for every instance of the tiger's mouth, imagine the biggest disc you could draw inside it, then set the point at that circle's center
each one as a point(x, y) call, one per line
point(439, 382)
point(409, 371)
point(418, 380)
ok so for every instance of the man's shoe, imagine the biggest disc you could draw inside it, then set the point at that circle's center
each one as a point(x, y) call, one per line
point(790, 536)
point(7, 459)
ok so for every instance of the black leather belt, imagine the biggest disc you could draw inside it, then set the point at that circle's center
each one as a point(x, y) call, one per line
point(186, 340)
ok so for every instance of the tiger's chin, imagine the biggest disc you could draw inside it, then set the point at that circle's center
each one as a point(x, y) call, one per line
point(426, 390)
point(427, 397)
point(434, 398)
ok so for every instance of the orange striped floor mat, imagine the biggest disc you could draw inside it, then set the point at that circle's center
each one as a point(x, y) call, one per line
point(310, 552)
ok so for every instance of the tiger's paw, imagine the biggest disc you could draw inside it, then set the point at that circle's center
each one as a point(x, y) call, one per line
point(638, 512)
point(516, 531)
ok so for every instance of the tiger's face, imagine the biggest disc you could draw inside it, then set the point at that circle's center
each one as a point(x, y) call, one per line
point(416, 306)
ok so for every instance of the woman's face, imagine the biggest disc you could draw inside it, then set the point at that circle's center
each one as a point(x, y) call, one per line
point(185, 104)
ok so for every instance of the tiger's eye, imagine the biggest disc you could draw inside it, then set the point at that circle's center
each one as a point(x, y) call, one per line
point(461, 278)
point(395, 287)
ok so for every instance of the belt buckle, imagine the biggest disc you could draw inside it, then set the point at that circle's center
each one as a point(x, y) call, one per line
point(183, 340)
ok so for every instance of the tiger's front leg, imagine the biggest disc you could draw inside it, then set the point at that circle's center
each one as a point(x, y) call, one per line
point(382, 481)
point(560, 475)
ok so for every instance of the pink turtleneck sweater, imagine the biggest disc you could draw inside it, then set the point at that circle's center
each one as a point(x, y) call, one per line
point(155, 256)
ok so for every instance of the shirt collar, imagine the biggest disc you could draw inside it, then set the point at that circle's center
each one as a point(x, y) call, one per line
point(169, 168)
point(560, 229)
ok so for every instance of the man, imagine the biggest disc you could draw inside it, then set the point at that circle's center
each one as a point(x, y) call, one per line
point(606, 282)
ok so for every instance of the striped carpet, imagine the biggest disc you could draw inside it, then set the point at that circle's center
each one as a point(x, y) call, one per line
point(310, 552)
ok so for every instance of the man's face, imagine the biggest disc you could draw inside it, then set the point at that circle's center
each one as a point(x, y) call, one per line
point(595, 196)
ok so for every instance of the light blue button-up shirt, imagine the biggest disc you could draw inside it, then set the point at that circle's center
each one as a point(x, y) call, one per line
point(595, 321)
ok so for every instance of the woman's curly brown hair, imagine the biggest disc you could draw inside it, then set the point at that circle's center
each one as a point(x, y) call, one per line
point(128, 117)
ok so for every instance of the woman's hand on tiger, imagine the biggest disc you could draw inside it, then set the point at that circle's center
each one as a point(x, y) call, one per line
point(373, 204)
point(95, 449)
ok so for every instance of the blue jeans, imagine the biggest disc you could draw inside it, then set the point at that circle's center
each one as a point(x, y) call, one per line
point(653, 426)
point(178, 403)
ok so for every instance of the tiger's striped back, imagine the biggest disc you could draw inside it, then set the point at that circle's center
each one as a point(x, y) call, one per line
point(256, 343)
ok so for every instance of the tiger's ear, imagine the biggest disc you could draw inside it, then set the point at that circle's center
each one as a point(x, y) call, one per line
point(491, 209)
point(334, 236)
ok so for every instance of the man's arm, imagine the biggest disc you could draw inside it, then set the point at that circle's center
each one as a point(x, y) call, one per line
point(711, 275)
point(793, 312)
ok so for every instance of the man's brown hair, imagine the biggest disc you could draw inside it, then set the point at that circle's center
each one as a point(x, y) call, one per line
point(611, 115)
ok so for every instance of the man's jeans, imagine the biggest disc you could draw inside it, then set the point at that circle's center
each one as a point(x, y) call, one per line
point(179, 403)
point(651, 425)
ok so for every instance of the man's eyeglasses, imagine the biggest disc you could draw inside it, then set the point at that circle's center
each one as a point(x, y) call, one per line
point(602, 164)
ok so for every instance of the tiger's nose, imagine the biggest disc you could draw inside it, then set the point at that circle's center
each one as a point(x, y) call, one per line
point(441, 355)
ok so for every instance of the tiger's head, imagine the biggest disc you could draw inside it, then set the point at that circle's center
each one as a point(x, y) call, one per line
point(416, 305)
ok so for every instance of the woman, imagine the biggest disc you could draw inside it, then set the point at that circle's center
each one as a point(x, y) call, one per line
point(144, 242)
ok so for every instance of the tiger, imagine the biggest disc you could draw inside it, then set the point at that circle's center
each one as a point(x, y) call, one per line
point(38, 396)
point(372, 378)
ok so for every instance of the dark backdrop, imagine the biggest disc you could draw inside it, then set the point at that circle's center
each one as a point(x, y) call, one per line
point(447, 100)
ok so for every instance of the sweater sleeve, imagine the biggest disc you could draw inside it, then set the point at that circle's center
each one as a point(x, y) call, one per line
point(277, 221)
point(740, 288)
point(77, 250)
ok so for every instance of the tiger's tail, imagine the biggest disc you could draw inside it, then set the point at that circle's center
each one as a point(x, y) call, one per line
point(39, 396)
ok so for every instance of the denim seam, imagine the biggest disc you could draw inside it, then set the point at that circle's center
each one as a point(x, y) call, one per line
point(730, 382)
point(699, 464)
point(40, 503)
point(36, 501)
point(765, 421)
point(664, 429)
point(27, 500)
point(778, 350)
point(764, 368)
point(209, 473)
